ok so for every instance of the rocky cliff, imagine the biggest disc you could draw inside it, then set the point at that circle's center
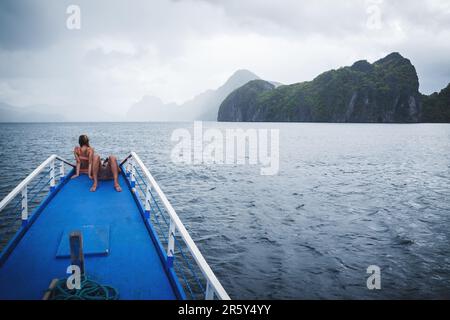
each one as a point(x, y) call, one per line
point(436, 107)
point(386, 91)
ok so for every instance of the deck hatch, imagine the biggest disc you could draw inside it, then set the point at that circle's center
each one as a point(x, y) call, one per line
point(95, 241)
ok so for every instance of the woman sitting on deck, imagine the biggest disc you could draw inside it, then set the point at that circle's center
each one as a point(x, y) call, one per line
point(90, 163)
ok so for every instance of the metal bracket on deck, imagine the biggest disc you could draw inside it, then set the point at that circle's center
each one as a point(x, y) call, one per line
point(76, 250)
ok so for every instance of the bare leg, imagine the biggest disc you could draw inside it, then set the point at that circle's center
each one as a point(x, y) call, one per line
point(95, 168)
point(115, 171)
point(77, 170)
point(91, 162)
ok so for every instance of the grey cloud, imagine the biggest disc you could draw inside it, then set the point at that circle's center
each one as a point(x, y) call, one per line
point(330, 17)
point(28, 24)
point(177, 49)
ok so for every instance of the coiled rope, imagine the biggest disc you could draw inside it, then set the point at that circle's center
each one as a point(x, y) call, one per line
point(89, 290)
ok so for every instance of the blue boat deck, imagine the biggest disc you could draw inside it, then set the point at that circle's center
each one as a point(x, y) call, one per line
point(133, 265)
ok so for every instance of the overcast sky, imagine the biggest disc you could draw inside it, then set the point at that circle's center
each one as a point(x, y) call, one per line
point(177, 49)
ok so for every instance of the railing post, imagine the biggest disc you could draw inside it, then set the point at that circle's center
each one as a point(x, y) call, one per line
point(171, 244)
point(209, 294)
point(147, 207)
point(128, 168)
point(52, 175)
point(61, 171)
point(24, 205)
point(133, 177)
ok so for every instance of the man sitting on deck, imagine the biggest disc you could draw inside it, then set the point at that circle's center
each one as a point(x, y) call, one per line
point(90, 163)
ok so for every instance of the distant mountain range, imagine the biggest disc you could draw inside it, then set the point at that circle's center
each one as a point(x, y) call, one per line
point(204, 106)
point(386, 91)
point(39, 113)
point(47, 113)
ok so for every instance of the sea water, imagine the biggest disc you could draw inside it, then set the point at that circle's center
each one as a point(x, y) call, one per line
point(346, 197)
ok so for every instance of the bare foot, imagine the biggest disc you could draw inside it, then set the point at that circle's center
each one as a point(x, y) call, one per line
point(118, 188)
point(75, 176)
point(94, 187)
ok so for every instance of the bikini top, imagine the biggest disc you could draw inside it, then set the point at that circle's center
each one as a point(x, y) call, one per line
point(84, 158)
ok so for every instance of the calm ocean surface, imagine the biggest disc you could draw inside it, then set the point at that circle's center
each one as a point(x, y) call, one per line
point(347, 196)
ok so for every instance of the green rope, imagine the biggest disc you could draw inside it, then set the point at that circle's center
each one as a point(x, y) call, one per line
point(90, 290)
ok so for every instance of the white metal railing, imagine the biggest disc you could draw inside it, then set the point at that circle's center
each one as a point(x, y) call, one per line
point(213, 286)
point(22, 188)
